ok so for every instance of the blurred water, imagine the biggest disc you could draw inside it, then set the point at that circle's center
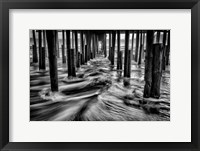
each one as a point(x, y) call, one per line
point(97, 93)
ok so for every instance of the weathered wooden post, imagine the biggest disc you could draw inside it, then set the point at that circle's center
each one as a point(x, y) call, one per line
point(110, 45)
point(82, 47)
point(40, 48)
point(63, 54)
point(119, 53)
point(51, 41)
point(76, 49)
point(68, 53)
point(43, 60)
point(44, 42)
point(137, 46)
point(157, 68)
point(35, 56)
point(168, 48)
point(158, 37)
point(72, 60)
point(97, 44)
point(141, 47)
point(127, 56)
point(88, 46)
point(148, 64)
point(157, 71)
point(57, 45)
point(79, 59)
point(72, 40)
point(113, 48)
point(164, 50)
point(86, 53)
point(132, 43)
point(105, 47)
point(63, 47)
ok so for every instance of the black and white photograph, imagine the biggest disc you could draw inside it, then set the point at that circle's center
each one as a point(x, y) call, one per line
point(99, 75)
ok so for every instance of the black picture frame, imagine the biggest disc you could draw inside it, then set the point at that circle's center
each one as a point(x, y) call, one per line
point(5, 5)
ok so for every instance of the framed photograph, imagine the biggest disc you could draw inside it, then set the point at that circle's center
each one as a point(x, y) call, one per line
point(99, 75)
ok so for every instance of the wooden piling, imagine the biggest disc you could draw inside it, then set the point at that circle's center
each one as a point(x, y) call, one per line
point(82, 48)
point(105, 47)
point(132, 43)
point(148, 64)
point(43, 60)
point(63, 55)
point(127, 55)
point(40, 48)
point(79, 59)
point(94, 46)
point(158, 37)
point(72, 60)
point(51, 41)
point(97, 39)
point(157, 70)
point(120, 60)
point(68, 52)
point(119, 65)
point(164, 50)
point(76, 49)
point(168, 48)
point(88, 46)
point(35, 54)
point(86, 54)
point(141, 47)
point(63, 47)
point(113, 48)
point(110, 45)
point(44, 42)
point(57, 45)
point(137, 46)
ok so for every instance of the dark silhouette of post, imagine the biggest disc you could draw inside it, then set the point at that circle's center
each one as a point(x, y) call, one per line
point(148, 64)
point(164, 50)
point(119, 57)
point(88, 46)
point(43, 60)
point(113, 48)
point(72, 40)
point(127, 56)
point(132, 43)
point(68, 53)
point(72, 59)
point(86, 53)
point(51, 41)
point(63, 47)
point(137, 46)
point(93, 46)
point(141, 47)
point(76, 48)
point(40, 48)
point(44, 42)
point(105, 47)
point(82, 48)
point(97, 39)
point(157, 70)
point(158, 37)
point(168, 48)
point(110, 46)
point(57, 45)
point(35, 56)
